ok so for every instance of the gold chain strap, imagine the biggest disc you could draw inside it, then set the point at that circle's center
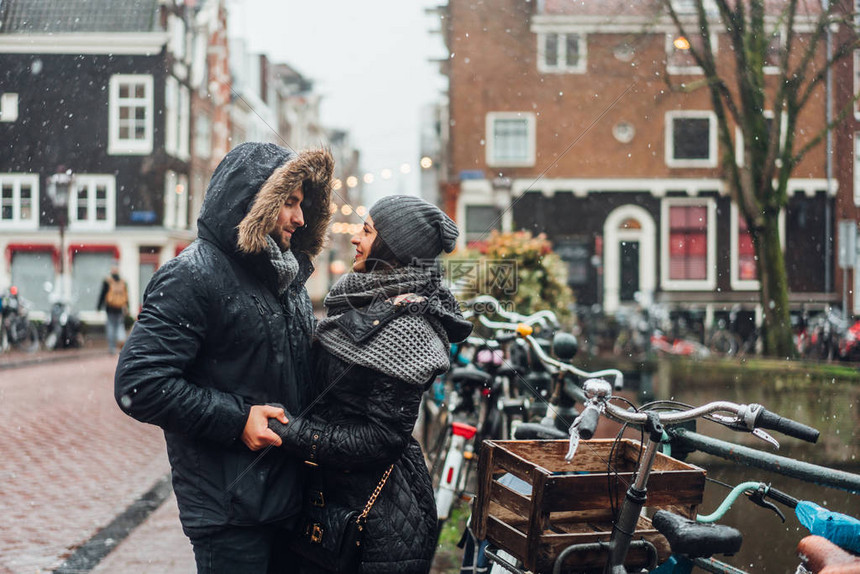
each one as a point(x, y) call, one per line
point(375, 494)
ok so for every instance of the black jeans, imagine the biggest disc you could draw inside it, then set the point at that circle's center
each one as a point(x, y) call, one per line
point(242, 550)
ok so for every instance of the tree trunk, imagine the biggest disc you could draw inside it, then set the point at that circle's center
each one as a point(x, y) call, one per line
point(778, 335)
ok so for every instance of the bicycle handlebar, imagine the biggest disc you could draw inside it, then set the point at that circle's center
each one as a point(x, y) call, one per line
point(747, 417)
point(546, 359)
point(587, 421)
point(493, 304)
point(772, 421)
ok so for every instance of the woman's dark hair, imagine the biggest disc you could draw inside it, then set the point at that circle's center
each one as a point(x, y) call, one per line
point(381, 256)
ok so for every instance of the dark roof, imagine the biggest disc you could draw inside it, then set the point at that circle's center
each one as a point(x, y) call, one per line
point(64, 16)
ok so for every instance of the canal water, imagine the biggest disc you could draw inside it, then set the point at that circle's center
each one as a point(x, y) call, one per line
point(813, 395)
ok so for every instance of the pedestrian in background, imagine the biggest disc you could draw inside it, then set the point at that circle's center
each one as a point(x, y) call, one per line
point(114, 300)
point(386, 337)
point(225, 329)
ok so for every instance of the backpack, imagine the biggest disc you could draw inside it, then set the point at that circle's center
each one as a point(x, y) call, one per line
point(117, 295)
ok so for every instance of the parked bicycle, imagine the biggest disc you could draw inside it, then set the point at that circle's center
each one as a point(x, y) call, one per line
point(16, 332)
point(490, 389)
point(826, 330)
point(692, 542)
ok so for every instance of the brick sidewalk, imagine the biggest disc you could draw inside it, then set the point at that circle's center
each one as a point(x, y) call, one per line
point(93, 346)
point(72, 461)
point(157, 546)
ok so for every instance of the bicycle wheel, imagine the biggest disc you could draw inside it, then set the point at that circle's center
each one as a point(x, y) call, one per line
point(26, 337)
point(436, 454)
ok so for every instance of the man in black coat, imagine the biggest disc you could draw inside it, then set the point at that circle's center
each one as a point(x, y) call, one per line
point(224, 331)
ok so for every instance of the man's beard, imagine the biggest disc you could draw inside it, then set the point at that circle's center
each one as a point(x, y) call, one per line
point(281, 239)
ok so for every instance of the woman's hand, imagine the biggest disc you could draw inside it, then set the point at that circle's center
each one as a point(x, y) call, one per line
point(406, 299)
point(257, 434)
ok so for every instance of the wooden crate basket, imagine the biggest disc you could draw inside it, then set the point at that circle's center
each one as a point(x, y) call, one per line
point(560, 503)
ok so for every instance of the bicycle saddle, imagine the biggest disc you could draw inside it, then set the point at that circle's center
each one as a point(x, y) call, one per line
point(536, 431)
point(470, 375)
point(538, 381)
point(508, 370)
point(696, 539)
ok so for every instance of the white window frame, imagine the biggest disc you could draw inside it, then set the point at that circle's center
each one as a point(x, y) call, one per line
point(483, 233)
point(857, 170)
point(17, 179)
point(92, 181)
point(182, 202)
point(171, 115)
point(125, 146)
point(175, 202)
point(177, 118)
point(857, 80)
point(746, 284)
point(202, 135)
point(561, 66)
point(710, 281)
point(171, 180)
point(184, 150)
point(711, 161)
point(857, 15)
point(688, 7)
point(178, 38)
point(773, 70)
point(9, 107)
point(688, 70)
point(529, 159)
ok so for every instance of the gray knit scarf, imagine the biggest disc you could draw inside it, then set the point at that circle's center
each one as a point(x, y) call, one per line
point(285, 263)
point(412, 347)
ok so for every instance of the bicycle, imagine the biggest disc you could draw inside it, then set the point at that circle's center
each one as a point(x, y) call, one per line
point(16, 330)
point(490, 393)
point(685, 536)
point(713, 540)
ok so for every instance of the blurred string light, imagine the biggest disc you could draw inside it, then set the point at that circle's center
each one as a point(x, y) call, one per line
point(681, 43)
point(426, 162)
point(345, 228)
point(368, 178)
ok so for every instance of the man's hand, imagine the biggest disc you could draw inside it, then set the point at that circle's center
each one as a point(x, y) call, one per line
point(257, 434)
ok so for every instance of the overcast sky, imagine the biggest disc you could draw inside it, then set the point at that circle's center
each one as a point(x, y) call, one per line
point(370, 62)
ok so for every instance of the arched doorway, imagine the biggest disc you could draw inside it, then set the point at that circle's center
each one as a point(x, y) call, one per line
point(630, 258)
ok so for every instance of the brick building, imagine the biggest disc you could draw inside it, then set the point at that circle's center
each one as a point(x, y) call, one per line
point(845, 169)
point(568, 118)
point(133, 103)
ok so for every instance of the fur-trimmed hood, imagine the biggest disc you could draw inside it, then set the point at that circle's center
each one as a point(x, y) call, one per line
point(249, 187)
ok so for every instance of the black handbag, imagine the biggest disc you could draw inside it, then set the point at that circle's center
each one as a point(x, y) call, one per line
point(328, 535)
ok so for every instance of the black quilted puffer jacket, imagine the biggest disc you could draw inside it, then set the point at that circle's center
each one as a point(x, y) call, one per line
point(361, 425)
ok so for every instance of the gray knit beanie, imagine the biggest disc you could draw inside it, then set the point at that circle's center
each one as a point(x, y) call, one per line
point(413, 228)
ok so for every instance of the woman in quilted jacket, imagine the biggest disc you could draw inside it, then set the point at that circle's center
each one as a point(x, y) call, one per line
point(385, 338)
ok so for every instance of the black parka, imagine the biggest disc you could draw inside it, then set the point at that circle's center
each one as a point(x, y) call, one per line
point(214, 338)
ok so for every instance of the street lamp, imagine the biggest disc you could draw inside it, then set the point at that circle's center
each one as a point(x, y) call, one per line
point(59, 188)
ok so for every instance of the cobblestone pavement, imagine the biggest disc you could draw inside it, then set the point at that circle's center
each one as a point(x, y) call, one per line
point(72, 461)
